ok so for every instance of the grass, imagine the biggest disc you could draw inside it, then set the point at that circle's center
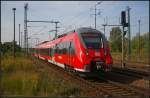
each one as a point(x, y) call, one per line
point(22, 77)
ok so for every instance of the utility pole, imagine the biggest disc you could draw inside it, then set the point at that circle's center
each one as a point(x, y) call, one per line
point(14, 34)
point(95, 11)
point(29, 47)
point(95, 16)
point(19, 34)
point(105, 24)
point(129, 33)
point(123, 64)
point(139, 52)
point(21, 39)
point(25, 28)
point(104, 27)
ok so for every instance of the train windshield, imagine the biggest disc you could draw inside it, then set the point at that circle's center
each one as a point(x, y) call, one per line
point(92, 40)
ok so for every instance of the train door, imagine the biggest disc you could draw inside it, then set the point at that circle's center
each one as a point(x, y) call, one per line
point(70, 53)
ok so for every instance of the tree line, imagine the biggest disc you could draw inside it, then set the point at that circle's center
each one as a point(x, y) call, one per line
point(138, 44)
point(7, 47)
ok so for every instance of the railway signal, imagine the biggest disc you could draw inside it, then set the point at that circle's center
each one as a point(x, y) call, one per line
point(123, 19)
point(125, 24)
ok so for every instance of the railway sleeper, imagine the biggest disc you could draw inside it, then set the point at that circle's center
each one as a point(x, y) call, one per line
point(115, 90)
point(120, 90)
point(128, 94)
point(123, 92)
point(110, 87)
point(127, 91)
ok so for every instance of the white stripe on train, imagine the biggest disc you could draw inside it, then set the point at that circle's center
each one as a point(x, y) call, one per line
point(42, 58)
point(63, 66)
point(59, 64)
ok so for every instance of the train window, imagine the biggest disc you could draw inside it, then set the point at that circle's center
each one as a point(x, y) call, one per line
point(60, 48)
point(72, 48)
point(56, 48)
point(47, 51)
point(36, 50)
point(52, 51)
point(64, 49)
point(44, 51)
point(92, 40)
point(41, 51)
point(67, 47)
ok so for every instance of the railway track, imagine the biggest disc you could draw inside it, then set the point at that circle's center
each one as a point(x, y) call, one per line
point(117, 88)
point(136, 66)
point(131, 73)
point(98, 87)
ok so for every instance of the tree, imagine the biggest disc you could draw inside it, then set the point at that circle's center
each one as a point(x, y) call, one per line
point(7, 47)
point(143, 43)
point(115, 39)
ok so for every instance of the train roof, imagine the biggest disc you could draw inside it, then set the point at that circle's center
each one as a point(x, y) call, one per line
point(78, 30)
point(87, 29)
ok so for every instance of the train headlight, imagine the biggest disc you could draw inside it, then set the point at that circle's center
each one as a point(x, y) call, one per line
point(87, 52)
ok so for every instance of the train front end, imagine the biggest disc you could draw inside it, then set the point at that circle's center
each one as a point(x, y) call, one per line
point(96, 51)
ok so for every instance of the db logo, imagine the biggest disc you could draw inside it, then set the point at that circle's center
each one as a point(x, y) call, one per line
point(59, 57)
point(97, 54)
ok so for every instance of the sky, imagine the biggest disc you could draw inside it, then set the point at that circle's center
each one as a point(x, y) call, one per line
point(71, 15)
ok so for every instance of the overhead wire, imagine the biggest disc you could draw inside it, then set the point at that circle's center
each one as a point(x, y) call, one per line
point(75, 20)
point(76, 17)
point(37, 32)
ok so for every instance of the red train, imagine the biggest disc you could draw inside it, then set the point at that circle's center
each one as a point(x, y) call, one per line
point(82, 50)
